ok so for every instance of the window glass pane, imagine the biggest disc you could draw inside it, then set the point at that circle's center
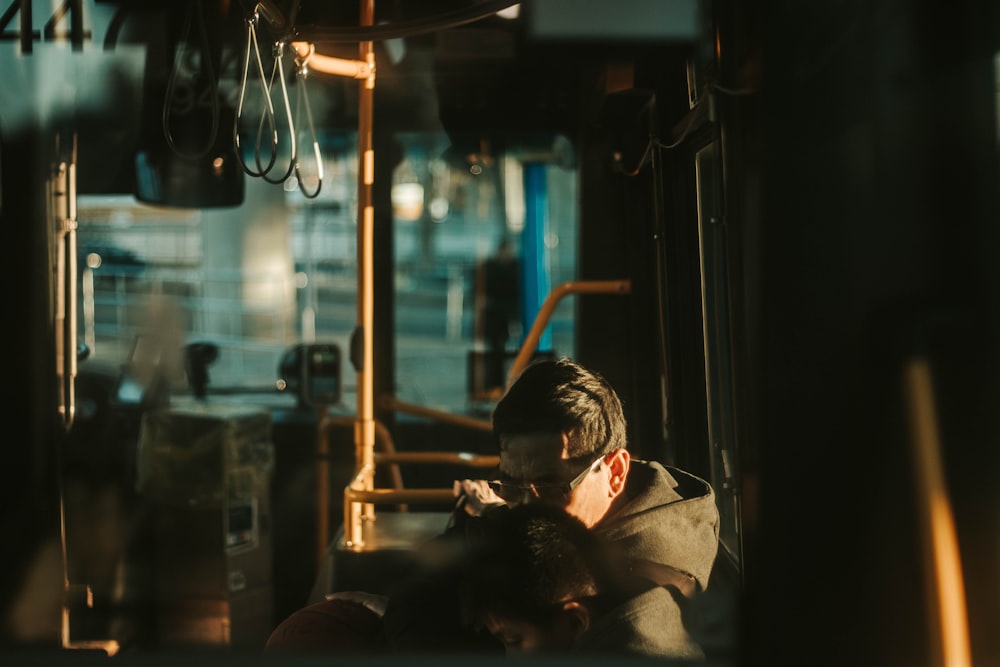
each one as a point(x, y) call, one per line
point(253, 280)
point(466, 228)
point(281, 269)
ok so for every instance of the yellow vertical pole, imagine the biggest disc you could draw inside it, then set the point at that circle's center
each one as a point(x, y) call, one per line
point(949, 623)
point(364, 429)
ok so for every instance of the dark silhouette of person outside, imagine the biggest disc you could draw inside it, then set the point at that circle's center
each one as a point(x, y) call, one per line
point(500, 291)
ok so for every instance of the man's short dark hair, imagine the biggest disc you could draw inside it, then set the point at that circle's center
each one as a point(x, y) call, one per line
point(561, 396)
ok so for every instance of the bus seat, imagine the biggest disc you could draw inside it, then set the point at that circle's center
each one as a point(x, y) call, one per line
point(389, 552)
point(339, 624)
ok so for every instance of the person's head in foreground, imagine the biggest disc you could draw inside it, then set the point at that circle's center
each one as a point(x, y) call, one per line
point(561, 432)
point(538, 579)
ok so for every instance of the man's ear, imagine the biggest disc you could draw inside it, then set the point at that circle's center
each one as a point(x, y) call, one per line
point(618, 463)
point(576, 617)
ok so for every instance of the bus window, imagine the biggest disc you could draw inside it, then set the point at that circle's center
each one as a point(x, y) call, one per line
point(253, 279)
point(480, 238)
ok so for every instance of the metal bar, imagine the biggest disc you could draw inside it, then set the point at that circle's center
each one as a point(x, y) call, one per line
point(307, 56)
point(449, 458)
point(387, 496)
point(364, 430)
point(322, 487)
point(946, 587)
point(548, 307)
point(392, 403)
point(382, 436)
point(326, 423)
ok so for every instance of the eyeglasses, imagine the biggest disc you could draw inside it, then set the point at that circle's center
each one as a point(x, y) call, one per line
point(547, 492)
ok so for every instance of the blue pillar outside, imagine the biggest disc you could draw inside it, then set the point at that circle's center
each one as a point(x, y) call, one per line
point(535, 278)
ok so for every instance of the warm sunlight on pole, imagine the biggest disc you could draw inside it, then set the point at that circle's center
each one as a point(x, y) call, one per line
point(364, 432)
point(941, 553)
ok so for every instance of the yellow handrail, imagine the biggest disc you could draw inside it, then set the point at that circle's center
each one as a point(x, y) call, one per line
point(326, 423)
point(360, 493)
point(547, 309)
point(396, 405)
point(445, 458)
point(396, 496)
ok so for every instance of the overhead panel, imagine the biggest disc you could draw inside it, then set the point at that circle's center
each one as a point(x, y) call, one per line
point(619, 21)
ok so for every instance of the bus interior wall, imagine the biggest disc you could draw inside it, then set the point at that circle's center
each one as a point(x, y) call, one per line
point(872, 253)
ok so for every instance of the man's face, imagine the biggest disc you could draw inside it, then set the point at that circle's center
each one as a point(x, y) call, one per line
point(524, 637)
point(541, 458)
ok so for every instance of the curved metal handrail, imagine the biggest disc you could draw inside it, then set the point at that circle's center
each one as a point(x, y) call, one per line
point(394, 404)
point(547, 309)
point(360, 496)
